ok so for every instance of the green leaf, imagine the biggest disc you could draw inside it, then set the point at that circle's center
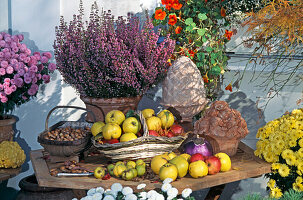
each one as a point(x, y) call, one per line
point(193, 24)
point(201, 31)
point(130, 113)
point(216, 70)
point(209, 49)
point(202, 16)
point(189, 28)
point(214, 55)
point(204, 39)
point(189, 21)
point(212, 61)
point(199, 43)
point(201, 56)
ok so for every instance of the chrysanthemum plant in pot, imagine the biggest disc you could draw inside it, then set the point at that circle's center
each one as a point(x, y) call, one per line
point(21, 74)
point(111, 63)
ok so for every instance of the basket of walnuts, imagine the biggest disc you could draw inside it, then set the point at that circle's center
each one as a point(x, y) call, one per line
point(65, 138)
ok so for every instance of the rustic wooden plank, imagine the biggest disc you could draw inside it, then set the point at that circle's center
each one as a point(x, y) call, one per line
point(244, 165)
point(8, 173)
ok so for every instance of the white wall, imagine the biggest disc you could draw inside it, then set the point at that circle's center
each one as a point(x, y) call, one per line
point(3, 15)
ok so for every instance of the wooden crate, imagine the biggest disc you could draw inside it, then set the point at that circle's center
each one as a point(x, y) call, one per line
point(244, 165)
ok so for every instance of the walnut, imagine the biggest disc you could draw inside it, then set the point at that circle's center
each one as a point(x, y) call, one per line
point(221, 121)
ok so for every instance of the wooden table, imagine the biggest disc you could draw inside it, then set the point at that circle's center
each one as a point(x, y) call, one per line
point(244, 165)
point(8, 173)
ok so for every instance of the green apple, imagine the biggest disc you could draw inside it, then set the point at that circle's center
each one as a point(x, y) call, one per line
point(111, 131)
point(131, 164)
point(131, 125)
point(135, 172)
point(110, 169)
point(119, 163)
point(141, 170)
point(97, 128)
point(148, 112)
point(168, 171)
point(119, 169)
point(99, 172)
point(181, 164)
point(128, 175)
point(140, 162)
point(198, 169)
point(115, 116)
point(154, 123)
point(167, 118)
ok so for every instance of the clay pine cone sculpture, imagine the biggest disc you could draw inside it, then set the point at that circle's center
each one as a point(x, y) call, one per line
point(221, 121)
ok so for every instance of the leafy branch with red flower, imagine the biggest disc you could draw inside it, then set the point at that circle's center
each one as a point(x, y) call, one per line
point(201, 30)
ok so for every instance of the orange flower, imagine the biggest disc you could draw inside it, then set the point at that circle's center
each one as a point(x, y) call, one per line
point(229, 87)
point(228, 34)
point(205, 78)
point(160, 14)
point(171, 4)
point(223, 12)
point(177, 5)
point(172, 20)
point(192, 53)
point(178, 30)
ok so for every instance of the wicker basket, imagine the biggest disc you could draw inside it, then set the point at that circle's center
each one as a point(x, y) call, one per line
point(140, 148)
point(65, 148)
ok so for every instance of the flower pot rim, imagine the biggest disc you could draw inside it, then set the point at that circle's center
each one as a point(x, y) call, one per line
point(118, 98)
point(10, 120)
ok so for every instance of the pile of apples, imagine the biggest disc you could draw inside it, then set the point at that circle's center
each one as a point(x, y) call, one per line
point(125, 170)
point(172, 166)
point(116, 128)
point(162, 124)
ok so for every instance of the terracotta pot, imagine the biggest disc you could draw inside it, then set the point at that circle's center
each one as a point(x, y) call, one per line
point(6, 128)
point(101, 106)
point(223, 144)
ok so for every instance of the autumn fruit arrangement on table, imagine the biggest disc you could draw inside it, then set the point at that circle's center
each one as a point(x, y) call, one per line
point(197, 161)
point(137, 134)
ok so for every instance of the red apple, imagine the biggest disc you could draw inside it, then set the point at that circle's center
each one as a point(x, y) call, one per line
point(213, 164)
point(177, 129)
point(170, 134)
point(153, 133)
point(196, 157)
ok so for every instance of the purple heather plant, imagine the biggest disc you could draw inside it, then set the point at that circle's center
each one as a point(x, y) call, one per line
point(105, 58)
point(20, 72)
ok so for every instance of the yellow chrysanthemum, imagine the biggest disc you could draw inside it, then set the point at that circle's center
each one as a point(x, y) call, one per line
point(271, 183)
point(300, 132)
point(299, 179)
point(299, 167)
point(277, 137)
point(291, 160)
point(280, 144)
point(268, 156)
point(275, 166)
point(287, 153)
point(296, 187)
point(284, 170)
point(275, 193)
point(300, 153)
point(292, 142)
point(300, 143)
point(258, 152)
point(296, 112)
